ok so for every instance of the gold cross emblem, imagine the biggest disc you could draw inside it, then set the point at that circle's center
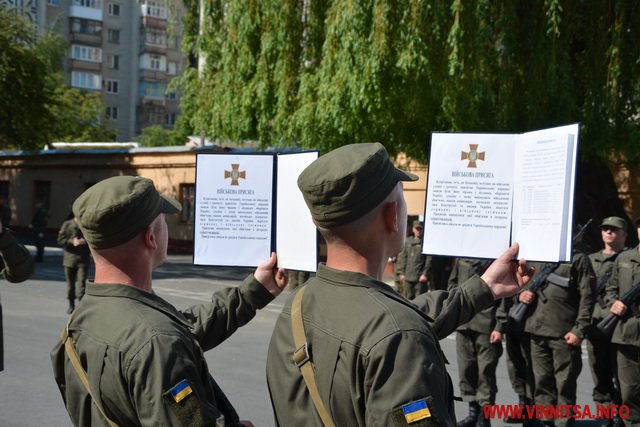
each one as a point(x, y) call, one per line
point(235, 174)
point(473, 156)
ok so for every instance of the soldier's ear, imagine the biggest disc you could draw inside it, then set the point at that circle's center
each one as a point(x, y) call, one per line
point(149, 238)
point(390, 212)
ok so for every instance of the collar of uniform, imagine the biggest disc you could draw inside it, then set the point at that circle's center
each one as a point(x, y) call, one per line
point(352, 278)
point(115, 290)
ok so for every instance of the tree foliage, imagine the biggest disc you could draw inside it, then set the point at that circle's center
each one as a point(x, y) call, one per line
point(322, 73)
point(157, 136)
point(36, 106)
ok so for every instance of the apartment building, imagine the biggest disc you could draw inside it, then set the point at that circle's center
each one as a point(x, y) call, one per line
point(127, 50)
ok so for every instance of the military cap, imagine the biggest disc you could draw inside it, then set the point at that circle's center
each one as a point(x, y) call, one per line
point(348, 182)
point(418, 224)
point(117, 209)
point(614, 221)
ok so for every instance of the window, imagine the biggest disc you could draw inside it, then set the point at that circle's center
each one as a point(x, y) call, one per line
point(85, 26)
point(86, 53)
point(94, 4)
point(152, 89)
point(171, 95)
point(112, 113)
point(154, 62)
point(42, 192)
point(114, 9)
point(157, 37)
point(187, 193)
point(4, 190)
point(112, 86)
point(113, 36)
point(114, 61)
point(85, 80)
point(53, 2)
point(170, 119)
point(172, 68)
point(154, 8)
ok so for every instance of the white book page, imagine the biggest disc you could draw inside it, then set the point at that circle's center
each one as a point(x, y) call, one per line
point(543, 201)
point(296, 238)
point(469, 195)
point(233, 209)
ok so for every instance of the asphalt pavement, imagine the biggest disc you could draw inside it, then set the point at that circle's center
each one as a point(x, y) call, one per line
point(34, 313)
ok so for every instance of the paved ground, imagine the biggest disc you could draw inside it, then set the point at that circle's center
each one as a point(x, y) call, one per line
point(34, 314)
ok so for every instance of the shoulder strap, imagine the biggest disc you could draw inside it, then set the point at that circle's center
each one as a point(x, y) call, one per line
point(302, 359)
point(77, 366)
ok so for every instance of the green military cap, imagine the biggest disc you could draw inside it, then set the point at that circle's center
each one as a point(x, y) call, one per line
point(418, 224)
point(348, 182)
point(117, 209)
point(614, 221)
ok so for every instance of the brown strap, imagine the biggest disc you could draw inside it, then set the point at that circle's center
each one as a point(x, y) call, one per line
point(302, 358)
point(77, 366)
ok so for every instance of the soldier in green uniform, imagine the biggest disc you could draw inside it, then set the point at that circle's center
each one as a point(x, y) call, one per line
point(559, 318)
point(412, 264)
point(127, 357)
point(601, 357)
point(626, 336)
point(478, 347)
point(347, 350)
point(75, 260)
point(38, 226)
point(16, 265)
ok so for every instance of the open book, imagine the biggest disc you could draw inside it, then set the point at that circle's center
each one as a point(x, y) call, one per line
point(249, 205)
point(486, 191)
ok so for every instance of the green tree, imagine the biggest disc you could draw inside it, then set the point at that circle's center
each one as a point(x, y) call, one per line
point(323, 73)
point(157, 136)
point(35, 104)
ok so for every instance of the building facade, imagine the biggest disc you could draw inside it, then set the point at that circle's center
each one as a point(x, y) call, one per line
point(127, 50)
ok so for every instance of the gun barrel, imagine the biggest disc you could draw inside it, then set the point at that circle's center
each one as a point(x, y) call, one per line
point(518, 313)
point(608, 324)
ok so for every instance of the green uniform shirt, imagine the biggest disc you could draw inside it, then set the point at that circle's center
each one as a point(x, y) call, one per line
point(601, 263)
point(136, 348)
point(626, 273)
point(463, 269)
point(73, 255)
point(373, 351)
point(566, 309)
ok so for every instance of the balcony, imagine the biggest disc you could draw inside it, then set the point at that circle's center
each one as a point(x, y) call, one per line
point(94, 39)
point(155, 75)
point(152, 101)
point(85, 13)
point(153, 22)
point(153, 48)
point(76, 64)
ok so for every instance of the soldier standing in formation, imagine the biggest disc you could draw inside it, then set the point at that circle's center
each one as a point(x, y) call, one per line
point(626, 336)
point(413, 264)
point(127, 357)
point(478, 347)
point(76, 260)
point(559, 317)
point(601, 357)
point(347, 350)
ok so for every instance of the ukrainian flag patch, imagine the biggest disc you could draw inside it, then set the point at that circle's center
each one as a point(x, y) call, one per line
point(416, 411)
point(180, 391)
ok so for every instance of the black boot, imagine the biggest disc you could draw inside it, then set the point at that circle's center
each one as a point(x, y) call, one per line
point(522, 401)
point(472, 418)
point(483, 421)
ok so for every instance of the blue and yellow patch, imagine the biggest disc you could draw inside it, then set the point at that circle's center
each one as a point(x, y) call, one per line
point(416, 411)
point(180, 391)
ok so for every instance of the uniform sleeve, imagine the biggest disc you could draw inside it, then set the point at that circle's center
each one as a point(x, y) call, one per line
point(453, 277)
point(230, 308)
point(455, 307)
point(406, 367)
point(167, 379)
point(15, 260)
point(501, 315)
point(585, 279)
point(427, 270)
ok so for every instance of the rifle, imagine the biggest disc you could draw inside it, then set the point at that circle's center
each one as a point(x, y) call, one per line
point(608, 324)
point(540, 281)
point(602, 283)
